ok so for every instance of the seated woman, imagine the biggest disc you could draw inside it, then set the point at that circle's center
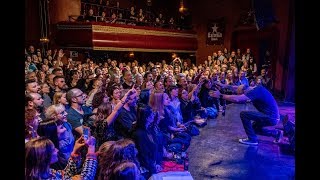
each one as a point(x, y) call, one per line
point(121, 151)
point(76, 81)
point(59, 131)
point(169, 126)
point(113, 18)
point(149, 146)
point(126, 171)
point(103, 17)
point(31, 123)
point(60, 98)
point(156, 102)
point(145, 94)
point(101, 97)
point(41, 152)
point(56, 132)
point(189, 107)
point(102, 153)
point(102, 128)
point(175, 105)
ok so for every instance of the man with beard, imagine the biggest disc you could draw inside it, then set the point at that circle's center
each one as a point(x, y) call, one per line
point(59, 85)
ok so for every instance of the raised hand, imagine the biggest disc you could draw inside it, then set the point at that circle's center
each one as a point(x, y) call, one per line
point(78, 144)
point(91, 143)
point(128, 94)
point(60, 54)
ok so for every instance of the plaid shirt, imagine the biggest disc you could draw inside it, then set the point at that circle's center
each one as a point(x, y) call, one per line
point(88, 171)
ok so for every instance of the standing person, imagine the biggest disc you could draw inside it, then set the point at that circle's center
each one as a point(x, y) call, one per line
point(267, 114)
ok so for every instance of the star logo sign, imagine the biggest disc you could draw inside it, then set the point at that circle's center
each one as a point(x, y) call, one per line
point(214, 28)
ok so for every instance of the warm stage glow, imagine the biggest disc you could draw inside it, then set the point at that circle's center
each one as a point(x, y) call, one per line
point(182, 8)
point(44, 40)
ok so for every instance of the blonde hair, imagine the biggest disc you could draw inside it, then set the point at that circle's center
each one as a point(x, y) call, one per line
point(57, 96)
point(54, 110)
point(156, 103)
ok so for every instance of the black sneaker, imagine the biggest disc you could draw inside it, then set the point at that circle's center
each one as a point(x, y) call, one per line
point(248, 141)
point(278, 137)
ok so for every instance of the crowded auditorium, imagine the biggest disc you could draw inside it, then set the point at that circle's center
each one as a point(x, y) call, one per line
point(159, 90)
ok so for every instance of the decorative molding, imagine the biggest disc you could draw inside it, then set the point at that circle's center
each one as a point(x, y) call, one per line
point(140, 49)
point(75, 47)
point(121, 30)
point(78, 26)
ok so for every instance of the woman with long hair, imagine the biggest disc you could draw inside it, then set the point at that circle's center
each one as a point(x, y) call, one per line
point(101, 97)
point(60, 98)
point(40, 153)
point(59, 131)
point(114, 92)
point(123, 150)
point(31, 123)
point(102, 128)
point(150, 147)
point(169, 126)
point(126, 171)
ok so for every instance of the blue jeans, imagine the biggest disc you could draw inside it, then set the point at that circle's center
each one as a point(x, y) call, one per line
point(260, 121)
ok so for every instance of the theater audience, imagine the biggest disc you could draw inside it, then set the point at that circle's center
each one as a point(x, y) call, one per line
point(104, 95)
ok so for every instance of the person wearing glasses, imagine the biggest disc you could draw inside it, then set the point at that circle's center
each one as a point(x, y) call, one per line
point(63, 135)
point(77, 113)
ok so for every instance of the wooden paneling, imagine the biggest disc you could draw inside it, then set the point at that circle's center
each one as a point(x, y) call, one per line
point(60, 10)
point(32, 23)
point(203, 11)
point(124, 38)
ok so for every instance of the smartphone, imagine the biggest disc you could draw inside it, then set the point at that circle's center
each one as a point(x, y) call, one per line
point(85, 134)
